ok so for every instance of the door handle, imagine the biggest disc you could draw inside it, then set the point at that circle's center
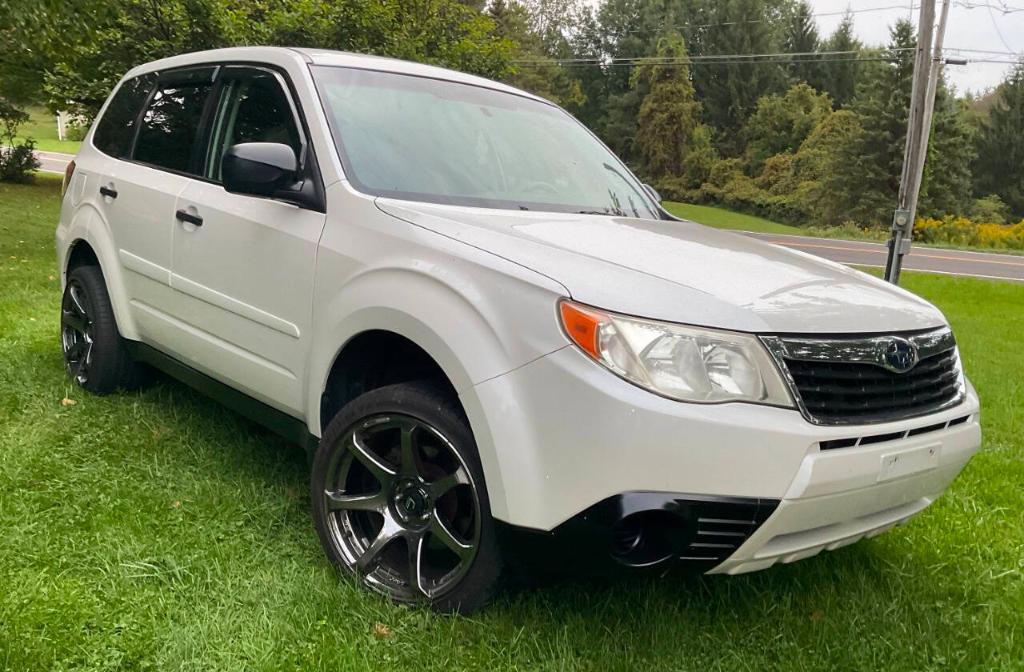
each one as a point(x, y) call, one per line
point(183, 216)
point(109, 192)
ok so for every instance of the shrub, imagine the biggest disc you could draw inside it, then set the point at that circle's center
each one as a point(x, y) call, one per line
point(990, 210)
point(17, 160)
point(962, 231)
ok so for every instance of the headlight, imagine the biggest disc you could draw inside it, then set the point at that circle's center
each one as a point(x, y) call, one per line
point(685, 363)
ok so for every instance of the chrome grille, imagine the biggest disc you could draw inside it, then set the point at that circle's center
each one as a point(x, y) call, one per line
point(850, 381)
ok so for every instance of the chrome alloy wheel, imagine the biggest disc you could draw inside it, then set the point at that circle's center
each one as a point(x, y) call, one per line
point(403, 509)
point(76, 331)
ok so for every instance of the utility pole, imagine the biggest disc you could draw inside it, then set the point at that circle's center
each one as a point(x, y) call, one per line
point(919, 122)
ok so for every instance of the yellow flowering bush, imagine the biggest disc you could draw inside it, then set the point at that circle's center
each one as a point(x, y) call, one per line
point(952, 230)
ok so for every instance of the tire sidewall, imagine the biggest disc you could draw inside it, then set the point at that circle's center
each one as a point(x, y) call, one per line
point(108, 361)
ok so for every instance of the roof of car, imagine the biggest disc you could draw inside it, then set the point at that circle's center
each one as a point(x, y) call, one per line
point(323, 57)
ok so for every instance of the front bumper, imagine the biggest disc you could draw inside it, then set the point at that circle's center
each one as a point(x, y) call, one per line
point(566, 438)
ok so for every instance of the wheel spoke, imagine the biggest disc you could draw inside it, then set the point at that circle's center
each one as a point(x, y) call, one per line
point(388, 533)
point(380, 470)
point(75, 321)
point(82, 363)
point(76, 351)
point(441, 530)
point(410, 461)
point(415, 544)
point(76, 301)
point(443, 485)
point(337, 500)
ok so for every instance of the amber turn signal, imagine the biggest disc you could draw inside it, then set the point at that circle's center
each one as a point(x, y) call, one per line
point(581, 324)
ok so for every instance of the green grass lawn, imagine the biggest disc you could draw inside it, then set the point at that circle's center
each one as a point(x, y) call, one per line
point(156, 530)
point(720, 218)
point(42, 127)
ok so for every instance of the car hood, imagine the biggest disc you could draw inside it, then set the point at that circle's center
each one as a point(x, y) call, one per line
point(681, 271)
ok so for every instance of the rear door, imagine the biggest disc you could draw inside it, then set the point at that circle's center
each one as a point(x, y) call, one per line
point(243, 267)
point(137, 192)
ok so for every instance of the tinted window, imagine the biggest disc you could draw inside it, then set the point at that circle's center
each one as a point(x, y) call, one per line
point(116, 128)
point(253, 108)
point(170, 126)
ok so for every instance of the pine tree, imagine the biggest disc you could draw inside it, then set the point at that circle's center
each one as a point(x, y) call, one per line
point(839, 76)
point(668, 114)
point(1000, 146)
point(873, 160)
point(729, 91)
point(802, 38)
point(946, 186)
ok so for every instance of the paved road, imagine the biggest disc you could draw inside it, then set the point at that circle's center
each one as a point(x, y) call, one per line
point(950, 262)
point(861, 253)
point(53, 162)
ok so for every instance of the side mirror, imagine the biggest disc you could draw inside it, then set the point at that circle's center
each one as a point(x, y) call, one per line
point(653, 193)
point(258, 168)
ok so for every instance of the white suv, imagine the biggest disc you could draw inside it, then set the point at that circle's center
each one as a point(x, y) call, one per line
point(493, 340)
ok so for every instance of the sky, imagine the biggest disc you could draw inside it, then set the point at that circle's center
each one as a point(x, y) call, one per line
point(973, 24)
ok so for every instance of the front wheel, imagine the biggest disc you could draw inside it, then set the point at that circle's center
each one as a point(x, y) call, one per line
point(399, 499)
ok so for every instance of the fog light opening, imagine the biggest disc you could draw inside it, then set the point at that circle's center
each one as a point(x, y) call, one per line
point(646, 538)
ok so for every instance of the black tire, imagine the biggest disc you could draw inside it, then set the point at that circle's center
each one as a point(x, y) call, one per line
point(435, 420)
point(95, 355)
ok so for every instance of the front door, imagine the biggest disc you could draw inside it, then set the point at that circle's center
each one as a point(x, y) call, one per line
point(242, 266)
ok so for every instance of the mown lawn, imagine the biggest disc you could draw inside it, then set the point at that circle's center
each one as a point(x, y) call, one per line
point(720, 218)
point(42, 127)
point(157, 531)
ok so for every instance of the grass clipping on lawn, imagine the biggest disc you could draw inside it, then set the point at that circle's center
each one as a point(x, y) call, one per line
point(156, 530)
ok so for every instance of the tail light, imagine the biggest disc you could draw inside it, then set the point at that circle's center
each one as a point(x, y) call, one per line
point(69, 172)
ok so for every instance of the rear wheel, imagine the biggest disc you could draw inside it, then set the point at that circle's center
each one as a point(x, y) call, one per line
point(95, 355)
point(399, 499)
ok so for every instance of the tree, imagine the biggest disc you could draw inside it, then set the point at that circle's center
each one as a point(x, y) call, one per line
point(782, 123)
point(802, 38)
point(839, 73)
point(668, 114)
point(873, 159)
point(946, 185)
point(80, 65)
point(1000, 145)
point(818, 168)
point(872, 162)
point(729, 90)
point(540, 74)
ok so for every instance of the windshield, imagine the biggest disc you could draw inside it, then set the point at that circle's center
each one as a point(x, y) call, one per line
point(432, 140)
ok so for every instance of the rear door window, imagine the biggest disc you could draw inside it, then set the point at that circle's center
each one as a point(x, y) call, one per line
point(116, 129)
point(171, 124)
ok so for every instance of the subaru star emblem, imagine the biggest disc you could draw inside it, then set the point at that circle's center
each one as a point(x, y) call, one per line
point(900, 355)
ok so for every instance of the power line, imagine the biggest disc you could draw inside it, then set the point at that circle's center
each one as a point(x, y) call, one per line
point(995, 24)
point(817, 56)
point(1001, 7)
point(698, 57)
